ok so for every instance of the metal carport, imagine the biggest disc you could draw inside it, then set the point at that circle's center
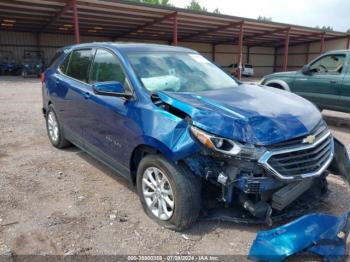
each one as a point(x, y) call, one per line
point(118, 19)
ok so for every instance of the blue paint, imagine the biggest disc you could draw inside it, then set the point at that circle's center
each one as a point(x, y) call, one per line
point(245, 115)
point(315, 233)
point(117, 126)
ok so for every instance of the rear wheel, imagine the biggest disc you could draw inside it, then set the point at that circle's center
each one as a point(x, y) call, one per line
point(54, 130)
point(169, 193)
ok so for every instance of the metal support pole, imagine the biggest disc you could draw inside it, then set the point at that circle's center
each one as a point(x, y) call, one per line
point(322, 43)
point(38, 44)
point(275, 59)
point(307, 53)
point(76, 21)
point(213, 51)
point(286, 51)
point(37, 37)
point(240, 51)
point(175, 29)
point(248, 54)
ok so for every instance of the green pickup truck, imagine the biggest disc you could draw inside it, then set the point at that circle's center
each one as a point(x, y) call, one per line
point(325, 81)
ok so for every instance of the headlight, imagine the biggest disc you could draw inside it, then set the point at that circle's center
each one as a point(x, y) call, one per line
point(227, 146)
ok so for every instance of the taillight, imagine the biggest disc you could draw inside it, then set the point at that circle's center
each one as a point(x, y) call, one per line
point(42, 77)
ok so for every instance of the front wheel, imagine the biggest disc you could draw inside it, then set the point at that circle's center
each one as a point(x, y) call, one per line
point(169, 193)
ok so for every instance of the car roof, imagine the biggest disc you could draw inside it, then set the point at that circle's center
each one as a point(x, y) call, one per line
point(338, 51)
point(133, 47)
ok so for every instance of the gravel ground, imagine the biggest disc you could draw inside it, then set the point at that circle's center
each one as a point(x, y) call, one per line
point(64, 202)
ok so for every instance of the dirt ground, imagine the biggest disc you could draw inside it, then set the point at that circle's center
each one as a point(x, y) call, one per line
point(64, 202)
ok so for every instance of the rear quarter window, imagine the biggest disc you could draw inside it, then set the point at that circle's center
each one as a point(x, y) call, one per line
point(79, 64)
point(64, 65)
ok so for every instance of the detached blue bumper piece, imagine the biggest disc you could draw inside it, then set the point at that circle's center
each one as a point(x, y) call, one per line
point(321, 234)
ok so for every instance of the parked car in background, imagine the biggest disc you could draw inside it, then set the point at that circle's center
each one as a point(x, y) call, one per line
point(186, 134)
point(325, 81)
point(33, 63)
point(247, 69)
point(8, 65)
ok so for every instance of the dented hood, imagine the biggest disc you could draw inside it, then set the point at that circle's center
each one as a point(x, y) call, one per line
point(247, 113)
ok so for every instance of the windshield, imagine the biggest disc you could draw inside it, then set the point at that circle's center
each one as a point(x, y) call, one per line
point(178, 72)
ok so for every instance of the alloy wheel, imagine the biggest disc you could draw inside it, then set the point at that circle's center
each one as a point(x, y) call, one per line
point(158, 193)
point(52, 126)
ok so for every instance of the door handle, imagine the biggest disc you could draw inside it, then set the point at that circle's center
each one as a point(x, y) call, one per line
point(87, 95)
point(333, 81)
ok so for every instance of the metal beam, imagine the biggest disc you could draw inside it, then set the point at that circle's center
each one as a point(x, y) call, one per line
point(212, 30)
point(76, 21)
point(279, 30)
point(64, 10)
point(286, 51)
point(301, 38)
point(141, 27)
point(256, 35)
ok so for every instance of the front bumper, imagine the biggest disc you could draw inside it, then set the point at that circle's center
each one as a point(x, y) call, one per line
point(321, 234)
point(267, 199)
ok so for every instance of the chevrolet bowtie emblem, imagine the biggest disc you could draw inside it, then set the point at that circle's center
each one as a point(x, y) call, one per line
point(309, 139)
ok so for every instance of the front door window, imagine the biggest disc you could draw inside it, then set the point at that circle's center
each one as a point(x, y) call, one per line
point(329, 64)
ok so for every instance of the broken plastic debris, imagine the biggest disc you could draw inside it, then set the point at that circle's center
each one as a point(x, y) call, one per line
point(321, 234)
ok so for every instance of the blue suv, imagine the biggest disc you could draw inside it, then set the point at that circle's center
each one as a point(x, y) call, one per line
point(190, 137)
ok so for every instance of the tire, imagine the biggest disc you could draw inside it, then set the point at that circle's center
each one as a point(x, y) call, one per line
point(184, 185)
point(54, 129)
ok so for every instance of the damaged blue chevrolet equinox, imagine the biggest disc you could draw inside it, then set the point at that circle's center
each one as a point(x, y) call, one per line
point(192, 139)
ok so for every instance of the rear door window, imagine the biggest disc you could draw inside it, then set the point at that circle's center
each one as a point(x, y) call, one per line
point(79, 64)
point(106, 67)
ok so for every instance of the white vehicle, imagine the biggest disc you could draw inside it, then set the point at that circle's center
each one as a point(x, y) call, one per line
point(248, 69)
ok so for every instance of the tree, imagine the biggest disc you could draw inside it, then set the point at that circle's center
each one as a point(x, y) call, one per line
point(348, 31)
point(154, 2)
point(194, 5)
point(264, 19)
point(217, 11)
point(325, 28)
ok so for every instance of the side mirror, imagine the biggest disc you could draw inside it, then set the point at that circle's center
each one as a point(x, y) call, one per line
point(306, 70)
point(111, 88)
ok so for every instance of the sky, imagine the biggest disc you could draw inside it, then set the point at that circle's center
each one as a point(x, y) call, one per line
point(334, 13)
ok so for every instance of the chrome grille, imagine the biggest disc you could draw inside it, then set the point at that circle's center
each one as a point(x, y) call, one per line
point(302, 160)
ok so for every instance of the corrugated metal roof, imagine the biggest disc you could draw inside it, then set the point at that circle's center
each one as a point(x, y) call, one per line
point(124, 19)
